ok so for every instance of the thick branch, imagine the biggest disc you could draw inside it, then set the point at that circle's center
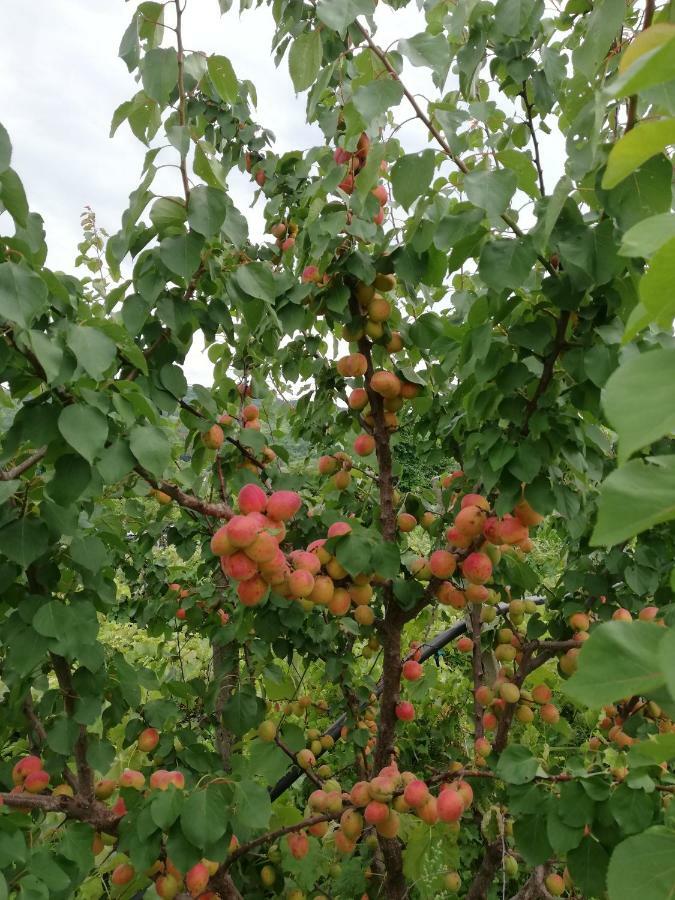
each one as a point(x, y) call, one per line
point(28, 463)
point(477, 669)
point(481, 883)
point(547, 371)
point(101, 817)
point(85, 775)
point(189, 501)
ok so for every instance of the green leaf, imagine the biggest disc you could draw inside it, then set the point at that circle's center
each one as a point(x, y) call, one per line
point(5, 149)
point(599, 680)
point(386, 559)
point(376, 97)
point(636, 496)
point(338, 14)
point(23, 294)
point(354, 554)
point(531, 839)
point(24, 541)
point(115, 462)
point(150, 446)
point(159, 72)
point(517, 765)
point(85, 429)
point(644, 238)
point(643, 866)
point(427, 50)
point(8, 489)
point(223, 77)
point(635, 147)
point(632, 809)
point(657, 293)
point(168, 212)
point(602, 26)
point(256, 280)
point(243, 711)
point(94, 351)
point(655, 67)
point(506, 263)
point(13, 197)
point(251, 806)
point(207, 209)
point(304, 60)
point(654, 750)
point(48, 352)
point(204, 818)
point(411, 176)
point(667, 659)
point(640, 401)
point(588, 867)
point(491, 190)
point(165, 808)
point(182, 254)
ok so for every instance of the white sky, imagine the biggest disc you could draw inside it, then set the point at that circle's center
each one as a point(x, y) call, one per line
point(62, 80)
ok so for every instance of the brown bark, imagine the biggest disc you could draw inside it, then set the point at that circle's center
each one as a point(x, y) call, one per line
point(225, 674)
point(480, 885)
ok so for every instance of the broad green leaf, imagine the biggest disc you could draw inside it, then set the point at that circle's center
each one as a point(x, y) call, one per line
point(8, 489)
point(207, 209)
point(657, 66)
point(411, 176)
point(116, 461)
point(531, 838)
point(24, 541)
point(182, 254)
point(639, 400)
point(643, 866)
point(338, 14)
point(13, 197)
point(636, 496)
point(168, 212)
point(243, 711)
point(636, 147)
point(251, 805)
point(5, 149)
point(304, 60)
point(517, 765)
point(658, 34)
point(506, 263)
point(425, 49)
point(354, 554)
point(657, 287)
point(667, 659)
point(599, 680)
point(94, 351)
point(633, 809)
point(647, 236)
point(652, 751)
point(23, 294)
point(587, 864)
point(150, 446)
point(165, 807)
point(602, 26)
point(490, 190)
point(49, 353)
point(85, 429)
point(204, 816)
point(256, 280)
point(159, 72)
point(223, 77)
point(376, 97)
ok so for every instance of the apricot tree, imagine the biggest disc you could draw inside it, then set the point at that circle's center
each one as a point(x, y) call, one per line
point(220, 664)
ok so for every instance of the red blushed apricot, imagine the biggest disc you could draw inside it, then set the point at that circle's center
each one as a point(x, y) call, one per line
point(252, 498)
point(442, 563)
point(283, 505)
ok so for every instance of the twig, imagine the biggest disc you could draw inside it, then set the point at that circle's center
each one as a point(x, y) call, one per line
point(631, 114)
point(29, 462)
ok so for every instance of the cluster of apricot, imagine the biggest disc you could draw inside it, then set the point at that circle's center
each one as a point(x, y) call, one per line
point(29, 777)
point(355, 161)
point(393, 390)
point(249, 544)
point(170, 881)
point(505, 693)
point(285, 234)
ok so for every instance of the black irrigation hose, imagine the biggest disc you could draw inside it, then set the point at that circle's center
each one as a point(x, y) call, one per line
point(429, 649)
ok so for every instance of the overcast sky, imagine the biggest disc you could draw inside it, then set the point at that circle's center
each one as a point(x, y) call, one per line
point(62, 80)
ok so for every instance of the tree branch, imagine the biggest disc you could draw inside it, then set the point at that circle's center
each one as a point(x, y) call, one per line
point(438, 137)
point(547, 371)
point(189, 501)
point(631, 114)
point(535, 143)
point(18, 470)
point(85, 775)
